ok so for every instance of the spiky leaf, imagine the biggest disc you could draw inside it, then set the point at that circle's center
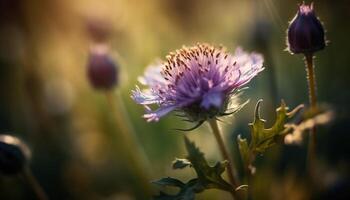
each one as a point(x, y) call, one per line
point(208, 177)
point(187, 192)
point(169, 182)
point(180, 163)
point(262, 138)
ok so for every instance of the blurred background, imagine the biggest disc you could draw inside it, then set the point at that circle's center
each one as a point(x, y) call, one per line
point(47, 100)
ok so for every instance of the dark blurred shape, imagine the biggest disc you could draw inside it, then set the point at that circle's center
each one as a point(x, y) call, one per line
point(102, 70)
point(336, 142)
point(305, 32)
point(9, 10)
point(339, 190)
point(99, 29)
point(182, 11)
point(261, 33)
point(14, 155)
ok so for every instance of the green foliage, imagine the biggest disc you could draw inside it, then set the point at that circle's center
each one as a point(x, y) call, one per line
point(179, 163)
point(208, 177)
point(169, 182)
point(263, 138)
point(243, 150)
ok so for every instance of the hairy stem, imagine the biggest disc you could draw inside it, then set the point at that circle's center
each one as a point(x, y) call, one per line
point(231, 172)
point(130, 146)
point(34, 184)
point(310, 75)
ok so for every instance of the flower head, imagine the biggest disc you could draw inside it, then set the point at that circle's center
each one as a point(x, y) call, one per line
point(198, 81)
point(305, 32)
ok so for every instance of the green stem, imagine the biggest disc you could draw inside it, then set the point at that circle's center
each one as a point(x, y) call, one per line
point(231, 172)
point(249, 175)
point(33, 182)
point(313, 104)
point(136, 156)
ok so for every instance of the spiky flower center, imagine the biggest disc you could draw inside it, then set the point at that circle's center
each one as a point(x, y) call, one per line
point(183, 59)
point(192, 64)
point(195, 69)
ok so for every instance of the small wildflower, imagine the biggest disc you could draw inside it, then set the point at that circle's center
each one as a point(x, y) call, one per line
point(305, 32)
point(198, 81)
point(14, 155)
point(102, 70)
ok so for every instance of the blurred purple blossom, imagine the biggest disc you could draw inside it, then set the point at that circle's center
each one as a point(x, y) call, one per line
point(199, 81)
point(102, 70)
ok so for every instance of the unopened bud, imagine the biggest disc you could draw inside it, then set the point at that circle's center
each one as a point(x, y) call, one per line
point(305, 32)
point(102, 71)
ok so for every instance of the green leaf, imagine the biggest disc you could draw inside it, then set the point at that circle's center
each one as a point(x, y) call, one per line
point(262, 138)
point(179, 163)
point(208, 177)
point(187, 191)
point(169, 182)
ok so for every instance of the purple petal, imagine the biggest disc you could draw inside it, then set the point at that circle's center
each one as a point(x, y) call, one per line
point(154, 116)
point(213, 98)
point(144, 97)
point(249, 65)
point(152, 76)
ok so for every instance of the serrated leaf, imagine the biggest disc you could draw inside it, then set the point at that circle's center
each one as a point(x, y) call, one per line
point(169, 182)
point(209, 177)
point(179, 163)
point(263, 138)
point(187, 192)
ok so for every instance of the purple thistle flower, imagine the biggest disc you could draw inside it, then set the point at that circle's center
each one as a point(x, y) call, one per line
point(199, 81)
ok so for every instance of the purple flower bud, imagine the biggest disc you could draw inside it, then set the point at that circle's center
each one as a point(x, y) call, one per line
point(14, 155)
point(102, 70)
point(305, 32)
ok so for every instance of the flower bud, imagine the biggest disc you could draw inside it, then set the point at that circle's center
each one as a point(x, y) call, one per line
point(102, 71)
point(14, 155)
point(305, 32)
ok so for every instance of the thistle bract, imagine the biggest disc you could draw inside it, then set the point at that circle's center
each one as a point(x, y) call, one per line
point(198, 81)
point(305, 32)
